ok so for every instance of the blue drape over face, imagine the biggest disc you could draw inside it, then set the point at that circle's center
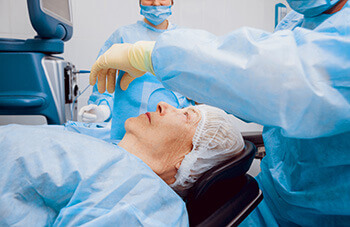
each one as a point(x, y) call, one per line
point(52, 177)
point(143, 93)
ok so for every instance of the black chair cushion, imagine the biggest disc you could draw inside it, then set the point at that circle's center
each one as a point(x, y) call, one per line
point(230, 169)
point(221, 185)
point(227, 205)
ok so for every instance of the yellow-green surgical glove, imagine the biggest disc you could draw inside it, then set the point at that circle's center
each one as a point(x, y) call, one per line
point(140, 57)
point(134, 59)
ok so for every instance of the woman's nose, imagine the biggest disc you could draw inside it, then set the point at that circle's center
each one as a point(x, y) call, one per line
point(156, 3)
point(164, 107)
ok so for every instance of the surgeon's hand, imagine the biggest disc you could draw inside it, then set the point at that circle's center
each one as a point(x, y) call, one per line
point(94, 114)
point(125, 81)
point(134, 59)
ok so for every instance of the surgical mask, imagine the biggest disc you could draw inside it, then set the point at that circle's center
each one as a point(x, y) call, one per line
point(311, 8)
point(156, 14)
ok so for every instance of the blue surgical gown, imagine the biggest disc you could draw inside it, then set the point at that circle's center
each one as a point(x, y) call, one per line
point(52, 177)
point(296, 83)
point(144, 93)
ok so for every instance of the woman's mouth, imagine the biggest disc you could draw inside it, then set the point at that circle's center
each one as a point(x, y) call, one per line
point(149, 116)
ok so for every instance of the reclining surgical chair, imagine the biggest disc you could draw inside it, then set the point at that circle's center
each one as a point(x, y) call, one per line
point(225, 195)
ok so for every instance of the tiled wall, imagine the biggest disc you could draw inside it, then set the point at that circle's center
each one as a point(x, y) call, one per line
point(95, 20)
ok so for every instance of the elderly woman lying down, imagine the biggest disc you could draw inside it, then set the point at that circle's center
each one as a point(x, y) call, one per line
point(54, 177)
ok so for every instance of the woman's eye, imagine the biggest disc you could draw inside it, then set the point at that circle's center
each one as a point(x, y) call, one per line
point(186, 114)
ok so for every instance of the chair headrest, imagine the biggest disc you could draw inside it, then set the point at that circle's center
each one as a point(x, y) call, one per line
point(232, 168)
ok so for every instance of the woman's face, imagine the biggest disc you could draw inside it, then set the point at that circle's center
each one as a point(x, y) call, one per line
point(156, 2)
point(168, 128)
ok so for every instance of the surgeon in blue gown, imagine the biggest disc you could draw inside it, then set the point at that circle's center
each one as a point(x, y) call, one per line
point(143, 93)
point(294, 81)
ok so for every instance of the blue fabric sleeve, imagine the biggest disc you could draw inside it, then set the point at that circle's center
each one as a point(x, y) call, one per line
point(295, 80)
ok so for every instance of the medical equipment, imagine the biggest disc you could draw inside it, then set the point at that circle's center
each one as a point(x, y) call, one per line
point(37, 87)
point(280, 12)
point(76, 98)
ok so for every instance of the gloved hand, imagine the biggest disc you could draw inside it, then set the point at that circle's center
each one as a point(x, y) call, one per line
point(94, 114)
point(134, 59)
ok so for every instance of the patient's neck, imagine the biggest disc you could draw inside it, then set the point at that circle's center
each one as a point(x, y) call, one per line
point(149, 154)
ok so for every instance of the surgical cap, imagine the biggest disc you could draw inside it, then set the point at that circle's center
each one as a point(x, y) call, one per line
point(216, 139)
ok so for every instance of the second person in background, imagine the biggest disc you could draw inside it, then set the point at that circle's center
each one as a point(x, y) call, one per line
point(144, 93)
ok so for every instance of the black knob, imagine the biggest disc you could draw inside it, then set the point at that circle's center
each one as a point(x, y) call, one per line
point(76, 90)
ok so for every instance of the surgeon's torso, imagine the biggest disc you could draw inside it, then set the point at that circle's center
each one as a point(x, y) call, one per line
point(306, 182)
point(307, 178)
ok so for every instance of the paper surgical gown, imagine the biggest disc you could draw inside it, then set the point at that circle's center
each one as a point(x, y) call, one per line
point(296, 83)
point(144, 93)
point(52, 177)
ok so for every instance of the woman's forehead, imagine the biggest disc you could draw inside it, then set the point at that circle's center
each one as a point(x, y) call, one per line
point(190, 107)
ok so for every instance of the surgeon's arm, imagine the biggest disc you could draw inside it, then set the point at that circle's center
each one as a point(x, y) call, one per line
point(296, 80)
